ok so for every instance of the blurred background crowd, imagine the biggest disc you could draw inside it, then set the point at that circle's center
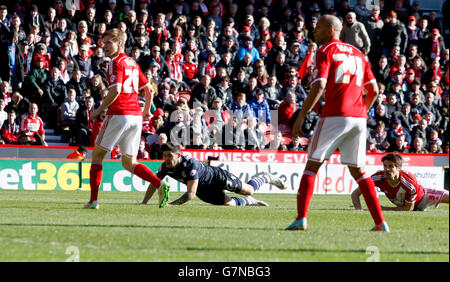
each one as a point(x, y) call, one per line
point(225, 73)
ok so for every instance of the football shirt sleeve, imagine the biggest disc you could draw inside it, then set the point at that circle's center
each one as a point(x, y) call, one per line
point(115, 74)
point(410, 181)
point(321, 67)
point(376, 178)
point(192, 170)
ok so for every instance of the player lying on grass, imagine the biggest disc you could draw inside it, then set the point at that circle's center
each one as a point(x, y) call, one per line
point(401, 188)
point(208, 183)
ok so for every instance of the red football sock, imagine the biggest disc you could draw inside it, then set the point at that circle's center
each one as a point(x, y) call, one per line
point(305, 193)
point(367, 188)
point(95, 174)
point(143, 172)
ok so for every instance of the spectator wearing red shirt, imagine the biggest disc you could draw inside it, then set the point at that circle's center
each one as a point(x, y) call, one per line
point(286, 110)
point(175, 71)
point(264, 45)
point(157, 121)
point(40, 54)
point(399, 66)
point(208, 67)
point(32, 128)
point(190, 69)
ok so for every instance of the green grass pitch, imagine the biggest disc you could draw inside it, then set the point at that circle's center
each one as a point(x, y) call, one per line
point(51, 226)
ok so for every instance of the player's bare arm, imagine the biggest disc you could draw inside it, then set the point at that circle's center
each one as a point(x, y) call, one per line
point(372, 94)
point(148, 89)
point(406, 207)
point(189, 195)
point(357, 203)
point(112, 95)
point(355, 199)
point(311, 100)
point(148, 194)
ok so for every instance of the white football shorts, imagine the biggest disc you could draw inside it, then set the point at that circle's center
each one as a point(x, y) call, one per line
point(431, 198)
point(348, 134)
point(122, 130)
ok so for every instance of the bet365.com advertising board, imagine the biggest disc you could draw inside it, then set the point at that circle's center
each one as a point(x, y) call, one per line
point(67, 175)
point(72, 175)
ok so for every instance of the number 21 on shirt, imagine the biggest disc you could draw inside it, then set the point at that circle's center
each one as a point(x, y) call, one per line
point(350, 65)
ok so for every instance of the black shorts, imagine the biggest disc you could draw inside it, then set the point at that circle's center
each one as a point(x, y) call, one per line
point(214, 193)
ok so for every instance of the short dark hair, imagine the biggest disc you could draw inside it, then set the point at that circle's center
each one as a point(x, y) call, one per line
point(395, 158)
point(82, 149)
point(169, 146)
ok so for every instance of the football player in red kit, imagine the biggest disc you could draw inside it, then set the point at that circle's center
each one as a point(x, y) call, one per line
point(341, 74)
point(123, 123)
point(401, 188)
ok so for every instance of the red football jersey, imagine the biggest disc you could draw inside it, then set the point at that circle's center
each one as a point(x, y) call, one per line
point(124, 71)
point(407, 189)
point(34, 125)
point(190, 70)
point(345, 71)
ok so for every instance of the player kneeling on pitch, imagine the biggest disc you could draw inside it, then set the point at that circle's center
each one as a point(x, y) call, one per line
point(401, 188)
point(208, 183)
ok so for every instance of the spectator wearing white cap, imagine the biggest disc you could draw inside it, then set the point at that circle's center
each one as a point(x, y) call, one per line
point(84, 62)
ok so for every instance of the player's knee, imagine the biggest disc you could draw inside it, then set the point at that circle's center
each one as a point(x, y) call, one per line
point(98, 154)
point(313, 166)
point(356, 172)
point(246, 189)
point(127, 165)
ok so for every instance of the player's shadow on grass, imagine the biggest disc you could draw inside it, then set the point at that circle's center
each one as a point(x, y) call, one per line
point(134, 226)
point(318, 250)
point(312, 250)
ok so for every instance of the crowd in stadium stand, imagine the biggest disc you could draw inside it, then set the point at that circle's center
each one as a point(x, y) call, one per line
point(220, 69)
